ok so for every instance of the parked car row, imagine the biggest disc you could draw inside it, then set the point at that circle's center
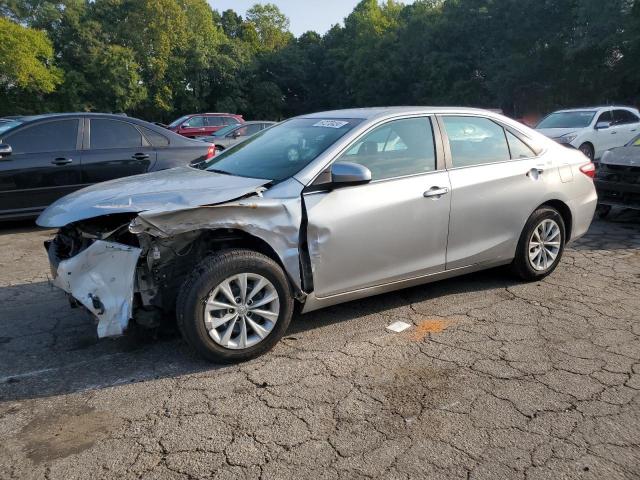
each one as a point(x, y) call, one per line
point(202, 124)
point(234, 134)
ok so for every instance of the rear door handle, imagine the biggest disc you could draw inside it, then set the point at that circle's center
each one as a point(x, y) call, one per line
point(61, 161)
point(140, 156)
point(436, 192)
point(535, 172)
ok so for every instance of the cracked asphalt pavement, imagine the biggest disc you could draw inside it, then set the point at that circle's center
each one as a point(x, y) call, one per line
point(496, 379)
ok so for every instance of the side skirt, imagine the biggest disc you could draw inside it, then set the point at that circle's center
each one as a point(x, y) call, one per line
point(316, 303)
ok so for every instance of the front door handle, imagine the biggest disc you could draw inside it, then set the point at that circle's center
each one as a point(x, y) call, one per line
point(140, 156)
point(436, 192)
point(62, 161)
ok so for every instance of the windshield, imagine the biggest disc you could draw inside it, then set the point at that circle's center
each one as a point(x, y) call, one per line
point(177, 122)
point(8, 124)
point(283, 150)
point(580, 119)
point(224, 130)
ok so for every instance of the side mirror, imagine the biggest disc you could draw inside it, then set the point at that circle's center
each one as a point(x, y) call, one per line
point(602, 125)
point(348, 173)
point(5, 150)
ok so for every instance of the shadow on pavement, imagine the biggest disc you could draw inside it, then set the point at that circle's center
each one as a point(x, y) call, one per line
point(47, 348)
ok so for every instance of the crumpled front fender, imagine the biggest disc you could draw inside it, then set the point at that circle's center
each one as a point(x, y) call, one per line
point(102, 279)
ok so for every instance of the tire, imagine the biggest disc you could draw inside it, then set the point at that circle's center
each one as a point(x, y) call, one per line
point(603, 211)
point(588, 151)
point(537, 268)
point(220, 148)
point(206, 290)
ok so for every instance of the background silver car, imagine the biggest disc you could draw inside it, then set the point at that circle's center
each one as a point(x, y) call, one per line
point(320, 209)
point(233, 134)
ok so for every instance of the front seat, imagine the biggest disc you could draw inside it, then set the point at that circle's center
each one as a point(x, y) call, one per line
point(368, 148)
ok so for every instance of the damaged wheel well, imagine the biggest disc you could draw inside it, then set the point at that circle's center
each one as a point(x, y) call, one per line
point(171, 260)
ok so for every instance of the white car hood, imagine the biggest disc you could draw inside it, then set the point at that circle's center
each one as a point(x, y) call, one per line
point(556, 132)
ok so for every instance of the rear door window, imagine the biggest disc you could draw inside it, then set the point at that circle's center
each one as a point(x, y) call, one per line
point(58, 135)
point(154, 138)
point(215, 121)
point(624, 117)
point(518, 148)
point(475, 141)
point(251, 129)
point(113, 134)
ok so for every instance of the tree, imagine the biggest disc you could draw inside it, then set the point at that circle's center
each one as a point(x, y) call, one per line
point(271, 25)
point(26, 59)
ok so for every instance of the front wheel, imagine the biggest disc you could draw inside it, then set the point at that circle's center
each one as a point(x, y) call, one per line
point(235, 306)
point(541, 245)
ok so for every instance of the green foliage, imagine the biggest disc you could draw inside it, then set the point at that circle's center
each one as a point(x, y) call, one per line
point(25, 59)
point(160, 58)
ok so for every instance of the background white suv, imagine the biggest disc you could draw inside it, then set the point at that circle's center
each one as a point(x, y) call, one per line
point(592, 130)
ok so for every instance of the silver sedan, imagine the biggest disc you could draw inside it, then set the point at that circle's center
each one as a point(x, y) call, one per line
point(318, 210)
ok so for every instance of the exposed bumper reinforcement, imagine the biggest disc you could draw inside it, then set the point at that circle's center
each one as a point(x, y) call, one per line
point(102, 279)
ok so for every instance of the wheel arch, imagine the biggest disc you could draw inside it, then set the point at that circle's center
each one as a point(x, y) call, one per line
point(590, 143)
point(225, 238)
point(564, 211)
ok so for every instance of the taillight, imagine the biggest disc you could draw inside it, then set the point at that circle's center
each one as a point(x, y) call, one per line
point(211, 152)
point(589, 169)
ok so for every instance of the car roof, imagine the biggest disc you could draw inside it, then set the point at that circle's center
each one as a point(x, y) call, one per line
point(33, 118)
point(211, 114)
point(376, 112)
point(601, 107)
point(174, 138)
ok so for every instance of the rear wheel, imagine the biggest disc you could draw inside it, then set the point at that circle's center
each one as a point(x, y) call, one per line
point(541, 245)
point(588, 151)
point(235, 306)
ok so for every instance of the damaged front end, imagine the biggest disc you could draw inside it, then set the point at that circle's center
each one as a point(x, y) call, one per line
point(93, 265)
point(131, 265)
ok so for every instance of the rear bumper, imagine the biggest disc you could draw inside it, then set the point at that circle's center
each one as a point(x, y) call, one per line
point(101, 278)
point(582, 212)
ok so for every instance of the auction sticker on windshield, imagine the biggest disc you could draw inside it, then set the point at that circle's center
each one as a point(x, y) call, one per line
point(331, 123)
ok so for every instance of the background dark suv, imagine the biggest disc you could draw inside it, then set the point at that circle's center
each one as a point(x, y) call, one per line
point(45, 157)
point(202, 124)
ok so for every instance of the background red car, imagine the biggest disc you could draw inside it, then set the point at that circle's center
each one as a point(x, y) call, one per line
point(201, 124)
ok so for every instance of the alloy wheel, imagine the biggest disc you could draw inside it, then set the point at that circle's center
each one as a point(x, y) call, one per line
point(241, 311)
point(544, 245)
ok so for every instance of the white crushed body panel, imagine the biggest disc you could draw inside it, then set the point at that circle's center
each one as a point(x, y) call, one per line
point(102, 279)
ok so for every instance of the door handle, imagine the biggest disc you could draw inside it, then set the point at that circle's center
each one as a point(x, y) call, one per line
point(140, 156)
point(535, 172)
point(436, 192)
point(61, 161)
